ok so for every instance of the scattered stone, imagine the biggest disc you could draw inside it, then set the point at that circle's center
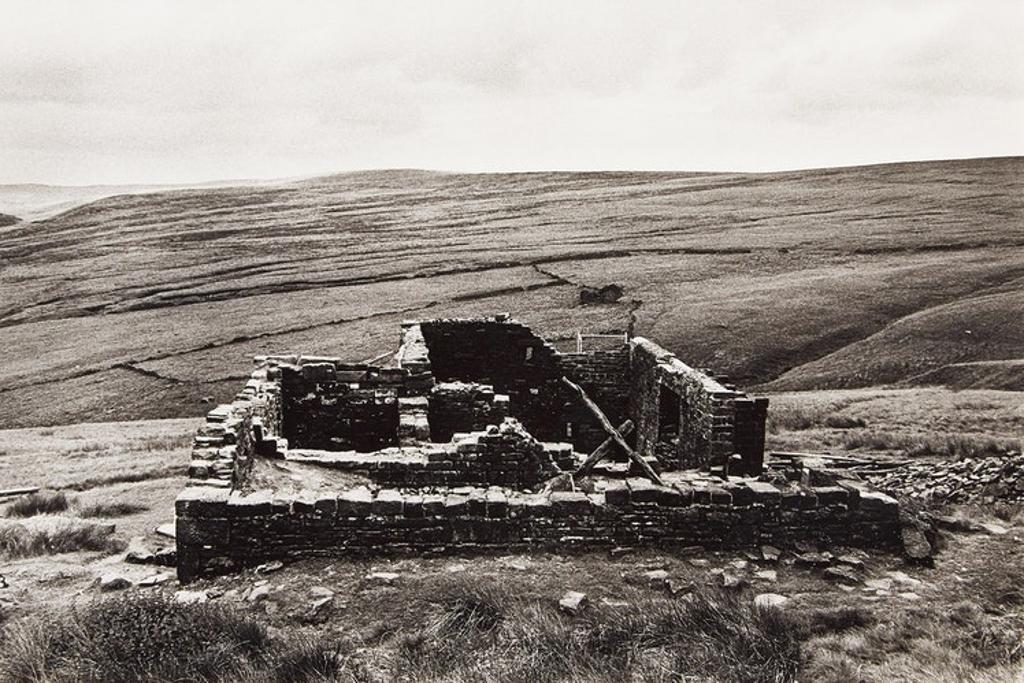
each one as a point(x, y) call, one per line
point(166, 557)
point(573, 602)
point(191, 597)
point(166, 530)
point(270, 567)
point(999, 477)
point(319, 604)
point(677, 587)
point(699, 562)
point(382, 578)
point(656, 577)
point(908, 596)
point(994, 529)
point(155, 579)
point(620, 551)
point(770, 553)
point(455, 568)
point(114, 582)
point(138, 552)
point(770, 600)
point(517, 565)
point(903, 579)
point(259, 593)
point(915, 545)
point(321, 592)
point(814, 559)
point(766, 575)
point(733, 581)
point(851, 561)
point(739, 564)
point(844, 575)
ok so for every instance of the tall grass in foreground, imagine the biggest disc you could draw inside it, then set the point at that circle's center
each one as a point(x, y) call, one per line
point(134, 638)
point(466, 631)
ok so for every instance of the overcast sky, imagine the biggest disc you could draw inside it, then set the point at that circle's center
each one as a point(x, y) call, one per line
point(136, 91)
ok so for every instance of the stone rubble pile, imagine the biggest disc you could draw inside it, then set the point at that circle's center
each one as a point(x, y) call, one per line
point(974, 480)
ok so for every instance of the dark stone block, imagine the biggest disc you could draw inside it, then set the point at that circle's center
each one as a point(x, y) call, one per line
point(570, 503)
point(831, 495)
point(388, 503)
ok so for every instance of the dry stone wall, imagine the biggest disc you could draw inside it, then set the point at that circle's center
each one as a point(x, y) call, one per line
point(714, 422)
point(463, 407)
point(236, 432)
point(220, 531)
point(505, 455)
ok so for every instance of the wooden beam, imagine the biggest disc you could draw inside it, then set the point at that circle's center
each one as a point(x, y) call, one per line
point(612, 432)
point(603, 450)
point(18, 492)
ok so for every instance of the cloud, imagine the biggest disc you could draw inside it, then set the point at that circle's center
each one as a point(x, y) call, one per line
point(180, 91)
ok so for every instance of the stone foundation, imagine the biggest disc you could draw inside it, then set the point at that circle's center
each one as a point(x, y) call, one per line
point(449, 447)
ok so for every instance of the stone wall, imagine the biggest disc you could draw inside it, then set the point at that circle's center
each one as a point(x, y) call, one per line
point(709, 428)
point(324, 412)
point(234, 433)
point(218, 530)
point(463, 407)
point(604, 375)
point(506, 355)
point(504, 455)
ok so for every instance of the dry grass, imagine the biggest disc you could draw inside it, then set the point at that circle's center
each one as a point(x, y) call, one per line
point(40, 503)
point(84, 456)
point(472, 632)
point(908, 422)
point(44, 535)
point(115, 509)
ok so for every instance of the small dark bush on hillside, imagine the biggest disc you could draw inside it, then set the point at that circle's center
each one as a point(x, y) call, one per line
point(41, 503)
point(118, 509)
point(844, 422)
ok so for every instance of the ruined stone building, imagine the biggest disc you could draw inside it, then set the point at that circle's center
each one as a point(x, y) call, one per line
point(479, 434)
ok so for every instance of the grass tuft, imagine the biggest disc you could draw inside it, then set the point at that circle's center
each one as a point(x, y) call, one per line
point(52, 535)
point(116, 509)
point(40, 503)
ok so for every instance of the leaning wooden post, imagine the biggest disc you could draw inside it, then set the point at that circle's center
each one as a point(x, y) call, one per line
point(601, 451)
point(612, 432)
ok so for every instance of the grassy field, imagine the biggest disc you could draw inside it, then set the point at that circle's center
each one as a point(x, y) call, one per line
point(140, 306)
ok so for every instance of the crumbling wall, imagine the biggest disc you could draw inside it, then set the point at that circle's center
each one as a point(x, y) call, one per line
point(224, 446)
point(707, 423)
point(507, 355)
point(503, 455)
point(605, 376)
point(335, 406)
point(219, 531)
point(463, 407)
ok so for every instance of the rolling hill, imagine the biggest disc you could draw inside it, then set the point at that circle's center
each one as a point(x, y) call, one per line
point(149, 305)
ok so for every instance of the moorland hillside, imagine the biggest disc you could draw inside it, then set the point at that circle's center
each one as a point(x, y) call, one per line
point(147, 305)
